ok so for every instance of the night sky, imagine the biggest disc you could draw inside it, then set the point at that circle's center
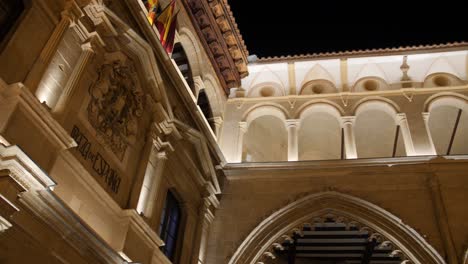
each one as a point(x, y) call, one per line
point(292, 27)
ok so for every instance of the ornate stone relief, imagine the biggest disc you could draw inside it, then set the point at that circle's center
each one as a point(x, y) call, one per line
point(116, 105)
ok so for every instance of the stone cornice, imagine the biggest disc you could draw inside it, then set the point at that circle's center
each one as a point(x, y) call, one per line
point(248, 171)
point(368, 52)
point(223, 43)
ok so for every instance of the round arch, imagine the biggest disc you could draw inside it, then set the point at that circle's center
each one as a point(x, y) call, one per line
point(265, 110)
point(377, 103)
point(446, 99)
point(214, 97)
point(320, 107)
point(192, 50)
point(265, 235)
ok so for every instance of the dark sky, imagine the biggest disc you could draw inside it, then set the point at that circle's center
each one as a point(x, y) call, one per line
point(274, 28)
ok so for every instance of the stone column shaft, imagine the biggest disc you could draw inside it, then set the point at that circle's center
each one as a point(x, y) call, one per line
point(406, 134)
point(240, 141)
point(419, 129)
point(293, 148)
point(349, 139)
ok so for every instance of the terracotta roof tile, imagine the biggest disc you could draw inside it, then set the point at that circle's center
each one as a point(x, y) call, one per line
point(374, 52)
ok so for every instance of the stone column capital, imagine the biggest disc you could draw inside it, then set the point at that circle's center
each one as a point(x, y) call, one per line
point(348, 120)
point(400, 118)
point(217, 120)
point(243, 126)
point(292, 123)
point(426, 116)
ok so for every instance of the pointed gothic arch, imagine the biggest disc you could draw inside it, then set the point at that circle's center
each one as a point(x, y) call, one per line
point(261, 242)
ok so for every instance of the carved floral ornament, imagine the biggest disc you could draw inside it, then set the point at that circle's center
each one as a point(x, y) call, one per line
point(116, 105)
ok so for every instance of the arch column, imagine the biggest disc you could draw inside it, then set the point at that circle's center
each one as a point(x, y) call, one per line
point(431, 146)
point(293, 149)
point(418, 127)
point(400, 120)
point(242, 129)
point(347, 123)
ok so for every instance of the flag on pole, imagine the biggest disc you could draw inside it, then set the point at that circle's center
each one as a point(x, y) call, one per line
point(169, 43)
point(152, 7)
point(164, 20)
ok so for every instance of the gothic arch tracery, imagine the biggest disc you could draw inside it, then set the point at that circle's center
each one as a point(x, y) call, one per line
point(268, 237)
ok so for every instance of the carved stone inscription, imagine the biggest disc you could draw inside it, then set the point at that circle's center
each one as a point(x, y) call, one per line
point(97, 161)
point(115, 106)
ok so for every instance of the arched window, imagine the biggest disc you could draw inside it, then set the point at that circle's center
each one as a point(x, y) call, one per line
point(170, 224)
point(266, 140)
point(377, 135)
point(10, 11)
point(449, 130)
point(180, 58)
point(204, 105)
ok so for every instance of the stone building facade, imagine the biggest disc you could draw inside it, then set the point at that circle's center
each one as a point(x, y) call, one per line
point(113, 151)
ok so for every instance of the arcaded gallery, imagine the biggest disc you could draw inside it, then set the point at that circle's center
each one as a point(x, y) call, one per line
point(143, 131)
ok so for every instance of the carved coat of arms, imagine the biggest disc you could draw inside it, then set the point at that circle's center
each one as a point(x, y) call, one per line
point(115, 106)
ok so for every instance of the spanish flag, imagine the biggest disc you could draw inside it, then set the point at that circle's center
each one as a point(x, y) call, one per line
point(152, 7)
point(169, 44)
point(164, 21)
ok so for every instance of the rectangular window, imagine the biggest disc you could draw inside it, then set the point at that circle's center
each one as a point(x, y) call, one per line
point(169, 225)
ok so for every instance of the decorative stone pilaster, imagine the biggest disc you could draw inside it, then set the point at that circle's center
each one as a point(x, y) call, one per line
point(293, 148)
point(153, 176)
point(71, 13)
point(70, 87)
point(240, 141)
point(400, 120)
point(349, 139)
point(205, 219)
